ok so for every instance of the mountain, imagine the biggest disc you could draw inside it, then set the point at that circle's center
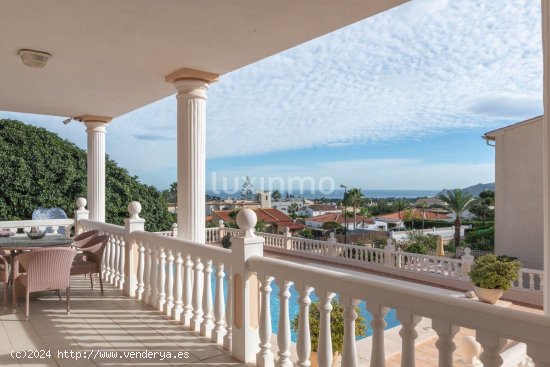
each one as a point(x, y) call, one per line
point(39, 169)
point(474, 190)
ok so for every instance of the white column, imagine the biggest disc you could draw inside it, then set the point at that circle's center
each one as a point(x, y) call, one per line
point(349, 353)
point(378, 324)
point(283, 334)
point(546, 151)
point(445, 342)
point(95, 128)
point(324, 345)
point(408, 336)
point(264, 358)
point(303, 344)
point(219, 310)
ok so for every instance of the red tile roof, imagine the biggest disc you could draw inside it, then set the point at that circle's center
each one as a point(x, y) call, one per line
point(339, 218)
point(271, 215)
point(417, 215)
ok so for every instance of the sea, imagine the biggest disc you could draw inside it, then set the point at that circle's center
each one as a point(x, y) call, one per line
point(338, 194)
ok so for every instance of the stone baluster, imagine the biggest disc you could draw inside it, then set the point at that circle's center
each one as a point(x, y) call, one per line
point(467, 262)
point(408, 336)
point(378, 324)
point(539, 354)
point(153, 300)
point(324, 348)
point(140, 271)
point(492, 344)
point(303, 344)
point(349, 353)
point(207, 324)
point(264, 358)
point(109, 255)
point(116, 259)
point(146, 274)
point(197, 295)
point(228, 337)
point(169, 284)
point(178, 301)
point(445, 343)
point(187, 314)
point(161, 300)
point(122, 249)
point(283, 335)
point(219, 323)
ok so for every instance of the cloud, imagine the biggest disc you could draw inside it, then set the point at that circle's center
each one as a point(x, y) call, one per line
point(506, 106)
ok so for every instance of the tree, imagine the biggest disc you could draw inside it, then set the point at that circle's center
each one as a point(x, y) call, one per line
point(276, 195)
point(39, 169)
point(423, 205)
point(481, 210)
point(458, 201)
point(247, 191)
point(401, 205)
point(354, 198)
point(420, 243)
point(365, 212)
point(408, 215)
point(306, 233)
point(172, 193)
point(488, 197)
point(293, 209)
point(260, 225)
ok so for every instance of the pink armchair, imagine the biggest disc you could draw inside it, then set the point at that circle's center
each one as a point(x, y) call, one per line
point(45, 269)
point(89, 262)
point(83, 238)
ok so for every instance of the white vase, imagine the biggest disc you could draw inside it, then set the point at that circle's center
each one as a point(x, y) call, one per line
point(488, 295)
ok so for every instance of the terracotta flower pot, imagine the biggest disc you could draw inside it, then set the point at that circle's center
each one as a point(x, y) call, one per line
point(488, 295)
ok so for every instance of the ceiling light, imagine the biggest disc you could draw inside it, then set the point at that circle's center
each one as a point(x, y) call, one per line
point(34, 59)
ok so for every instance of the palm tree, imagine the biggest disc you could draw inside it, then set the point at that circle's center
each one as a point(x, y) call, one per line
point(458, 202)
point(276, 195)
point(293, 209)
point(354, 198)
point(423, 205)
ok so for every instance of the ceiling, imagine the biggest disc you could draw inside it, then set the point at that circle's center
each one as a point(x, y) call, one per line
point(111, 57)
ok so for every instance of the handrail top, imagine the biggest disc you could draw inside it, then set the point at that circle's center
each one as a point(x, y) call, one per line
point(430, 257)
point(35, 222)
point(118, 230)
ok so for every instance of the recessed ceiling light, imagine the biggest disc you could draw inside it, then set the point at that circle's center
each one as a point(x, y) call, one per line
point(34, 59)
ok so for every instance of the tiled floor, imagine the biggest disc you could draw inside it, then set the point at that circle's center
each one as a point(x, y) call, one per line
point(108, 323)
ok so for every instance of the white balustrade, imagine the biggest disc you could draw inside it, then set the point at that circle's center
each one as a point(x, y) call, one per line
point(177, 273)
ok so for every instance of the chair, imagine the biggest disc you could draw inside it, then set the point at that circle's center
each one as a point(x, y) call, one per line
point(90, 261)
point(4, 276)
point(83, 238)
point(45, 269)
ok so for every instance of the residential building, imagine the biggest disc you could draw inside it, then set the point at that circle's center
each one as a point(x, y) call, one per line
point(519, 226)
point(275, 221)
point(430, 202)
point(397, 219)
point(360, 222)
point(314, 210)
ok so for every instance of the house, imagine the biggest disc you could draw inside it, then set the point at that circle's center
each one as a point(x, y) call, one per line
point(519, 226)
point(314, 210)
point(430, 202)
point(275, 220)
point(396, 220)
point(230, 204)
point(364, 223)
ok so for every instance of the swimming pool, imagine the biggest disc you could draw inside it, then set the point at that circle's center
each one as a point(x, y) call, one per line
point(294, 309)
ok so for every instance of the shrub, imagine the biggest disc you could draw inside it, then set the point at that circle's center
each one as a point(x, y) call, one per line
point(336, 325)
point(493, 272)
point(481, 239)
point(420, 243)
point(226, 241)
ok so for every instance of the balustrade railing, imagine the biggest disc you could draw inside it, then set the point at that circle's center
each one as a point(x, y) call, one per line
point(49, 225)
point(216, 292)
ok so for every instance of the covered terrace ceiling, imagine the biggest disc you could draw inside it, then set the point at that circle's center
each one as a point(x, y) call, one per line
point(111, 57)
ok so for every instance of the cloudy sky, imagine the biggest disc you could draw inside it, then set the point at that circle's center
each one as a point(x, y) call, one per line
point(397, 101)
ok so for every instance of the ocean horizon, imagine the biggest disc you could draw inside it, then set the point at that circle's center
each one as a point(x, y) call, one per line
point(338, 194)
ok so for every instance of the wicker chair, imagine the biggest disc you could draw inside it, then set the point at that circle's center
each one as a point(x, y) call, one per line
point(46, 269)
point(90, 261)
point(4, 277)
point(83, 238)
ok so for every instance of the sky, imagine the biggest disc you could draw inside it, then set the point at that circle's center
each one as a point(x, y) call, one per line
point(397, 101)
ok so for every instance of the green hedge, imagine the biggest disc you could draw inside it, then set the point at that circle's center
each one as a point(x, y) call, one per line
point(39, 169)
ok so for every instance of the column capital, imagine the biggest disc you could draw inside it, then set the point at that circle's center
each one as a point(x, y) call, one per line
point(191, 74)
point(94, 118)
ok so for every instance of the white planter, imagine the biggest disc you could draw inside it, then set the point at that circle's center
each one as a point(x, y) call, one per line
point(488, 295)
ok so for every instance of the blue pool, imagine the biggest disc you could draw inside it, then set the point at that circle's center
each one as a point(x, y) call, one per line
point(391, 319)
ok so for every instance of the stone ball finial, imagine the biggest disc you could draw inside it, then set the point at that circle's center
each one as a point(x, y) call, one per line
point(471, 350)
point(221, 223)
point(81, 203)
point(134, 208)
point(246, 219)
point(174, 225)
point(468, 251)
point(331, 235)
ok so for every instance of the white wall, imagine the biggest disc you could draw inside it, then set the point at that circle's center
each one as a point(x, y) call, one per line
point(518, 203)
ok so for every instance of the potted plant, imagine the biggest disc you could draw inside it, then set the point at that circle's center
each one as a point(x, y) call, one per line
point(492, 275)
point(336, 328)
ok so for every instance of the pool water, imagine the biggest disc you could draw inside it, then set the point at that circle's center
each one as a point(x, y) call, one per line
point(294, 308)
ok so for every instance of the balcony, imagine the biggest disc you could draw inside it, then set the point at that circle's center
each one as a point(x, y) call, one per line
point(218, 304)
